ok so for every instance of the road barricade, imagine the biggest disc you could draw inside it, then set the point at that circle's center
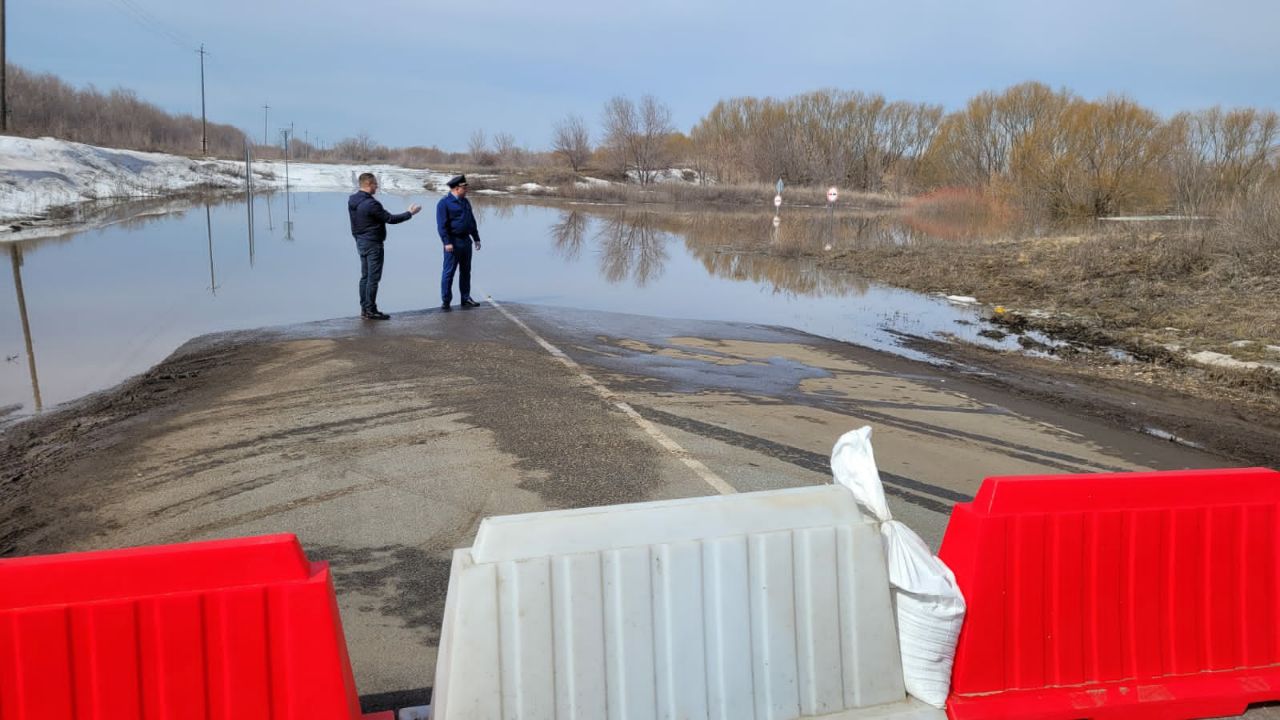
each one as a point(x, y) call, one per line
point(772, 605)
point(242, 629)
point(1133, 595)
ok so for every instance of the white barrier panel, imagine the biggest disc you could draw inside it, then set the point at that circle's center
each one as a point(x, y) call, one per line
point(771, 605)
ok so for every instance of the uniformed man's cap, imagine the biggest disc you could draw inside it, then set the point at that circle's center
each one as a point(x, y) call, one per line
point(457, 180)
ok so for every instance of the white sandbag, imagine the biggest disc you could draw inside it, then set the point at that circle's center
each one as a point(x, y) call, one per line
point(929, 606)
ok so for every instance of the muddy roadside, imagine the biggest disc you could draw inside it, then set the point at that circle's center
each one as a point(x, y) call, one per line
point(1147, 398)
point(1176, 307)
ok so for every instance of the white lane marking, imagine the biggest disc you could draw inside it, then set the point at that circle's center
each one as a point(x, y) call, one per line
point(704, 472)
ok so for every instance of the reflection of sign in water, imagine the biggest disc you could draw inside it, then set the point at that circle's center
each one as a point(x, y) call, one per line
point(777, 201)
point(832, 194)
point(777, 221)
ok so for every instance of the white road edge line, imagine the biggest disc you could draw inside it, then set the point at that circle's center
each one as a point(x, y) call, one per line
point(702, 471)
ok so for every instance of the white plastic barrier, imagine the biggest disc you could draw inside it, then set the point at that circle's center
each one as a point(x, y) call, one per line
point(770, 605)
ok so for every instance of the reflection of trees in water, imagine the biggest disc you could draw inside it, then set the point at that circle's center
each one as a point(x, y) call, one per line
point(632, 246)
point(741, 245)
point(569, 233)
point(749, 248)
point(491, 207)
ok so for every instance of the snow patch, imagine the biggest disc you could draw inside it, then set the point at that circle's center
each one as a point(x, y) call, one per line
point(1214, 359)
point(670, 175)
point(37, 175)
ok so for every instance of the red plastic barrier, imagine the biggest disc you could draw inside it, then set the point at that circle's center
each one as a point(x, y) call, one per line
point(242, 629)
point(1138, 595)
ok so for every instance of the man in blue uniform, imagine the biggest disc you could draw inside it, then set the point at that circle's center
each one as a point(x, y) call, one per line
point(457, 227)
point(369, 222)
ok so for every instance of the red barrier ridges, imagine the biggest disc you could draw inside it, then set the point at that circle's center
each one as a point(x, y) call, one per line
point(242, 629)
point(1131, 595)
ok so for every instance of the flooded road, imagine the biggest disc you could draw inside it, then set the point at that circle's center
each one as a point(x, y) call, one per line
point(106, 304)
point(383, 444)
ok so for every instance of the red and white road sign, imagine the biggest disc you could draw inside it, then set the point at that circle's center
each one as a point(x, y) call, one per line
point(777, 201)
point(832, 194)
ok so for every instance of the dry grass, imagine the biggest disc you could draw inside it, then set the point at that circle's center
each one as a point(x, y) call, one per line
point(1200, 287)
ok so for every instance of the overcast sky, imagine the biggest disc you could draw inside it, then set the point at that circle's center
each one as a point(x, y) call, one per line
point(424, 72)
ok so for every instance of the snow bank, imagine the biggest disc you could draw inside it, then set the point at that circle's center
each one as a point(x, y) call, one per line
point(37, 175)
point(1208, 358)
point(670, 175)
point(322, 177)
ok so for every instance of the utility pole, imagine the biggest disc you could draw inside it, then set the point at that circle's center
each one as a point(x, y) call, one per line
point(4, 62)
point(284, 133)
point(265, 115)
point(288, 210)
point(204, 124)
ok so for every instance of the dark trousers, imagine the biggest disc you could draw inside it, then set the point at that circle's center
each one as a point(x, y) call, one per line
point(458, 261)
point(370, 273)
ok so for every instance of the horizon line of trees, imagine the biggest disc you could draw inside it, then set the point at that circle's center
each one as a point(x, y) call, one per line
point(1047, 151)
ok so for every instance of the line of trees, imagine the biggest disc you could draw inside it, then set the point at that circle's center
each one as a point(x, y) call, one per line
point(856, 140)
point(1057, 153)
point(44, 105)
point(1047, 151)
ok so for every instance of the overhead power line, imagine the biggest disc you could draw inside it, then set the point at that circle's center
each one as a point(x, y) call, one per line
point(154, 25)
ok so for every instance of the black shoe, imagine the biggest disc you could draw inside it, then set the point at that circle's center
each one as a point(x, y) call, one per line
point(379, 315)
point(366, 315)
point(468, 302)
point(446, 307)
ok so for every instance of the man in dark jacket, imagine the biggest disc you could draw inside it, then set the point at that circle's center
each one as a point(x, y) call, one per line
point(369, 222)
point(457, 226)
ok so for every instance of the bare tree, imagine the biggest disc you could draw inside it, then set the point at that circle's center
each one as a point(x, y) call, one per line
point(655, 126)
point(478, 148)
point(572, 141)
point(636, 136)
point(505, 148)
point(621, 126)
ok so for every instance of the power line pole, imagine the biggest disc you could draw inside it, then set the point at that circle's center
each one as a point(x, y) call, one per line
point(204, 124)
point(288, 209)
point(265, 114)
point(4, 62)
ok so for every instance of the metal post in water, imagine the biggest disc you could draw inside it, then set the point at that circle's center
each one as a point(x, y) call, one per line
point(288, 210)
point(15, 254)
point(248, 193)
point(208, 224)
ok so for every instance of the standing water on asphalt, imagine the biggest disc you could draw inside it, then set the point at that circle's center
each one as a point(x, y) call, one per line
point(103, 305)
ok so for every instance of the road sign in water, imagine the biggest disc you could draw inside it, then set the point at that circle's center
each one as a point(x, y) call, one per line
point(777, 201)
point(832, 194)
point(779, 186)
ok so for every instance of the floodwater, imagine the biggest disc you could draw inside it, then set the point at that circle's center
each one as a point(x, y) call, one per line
point(106, 304)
